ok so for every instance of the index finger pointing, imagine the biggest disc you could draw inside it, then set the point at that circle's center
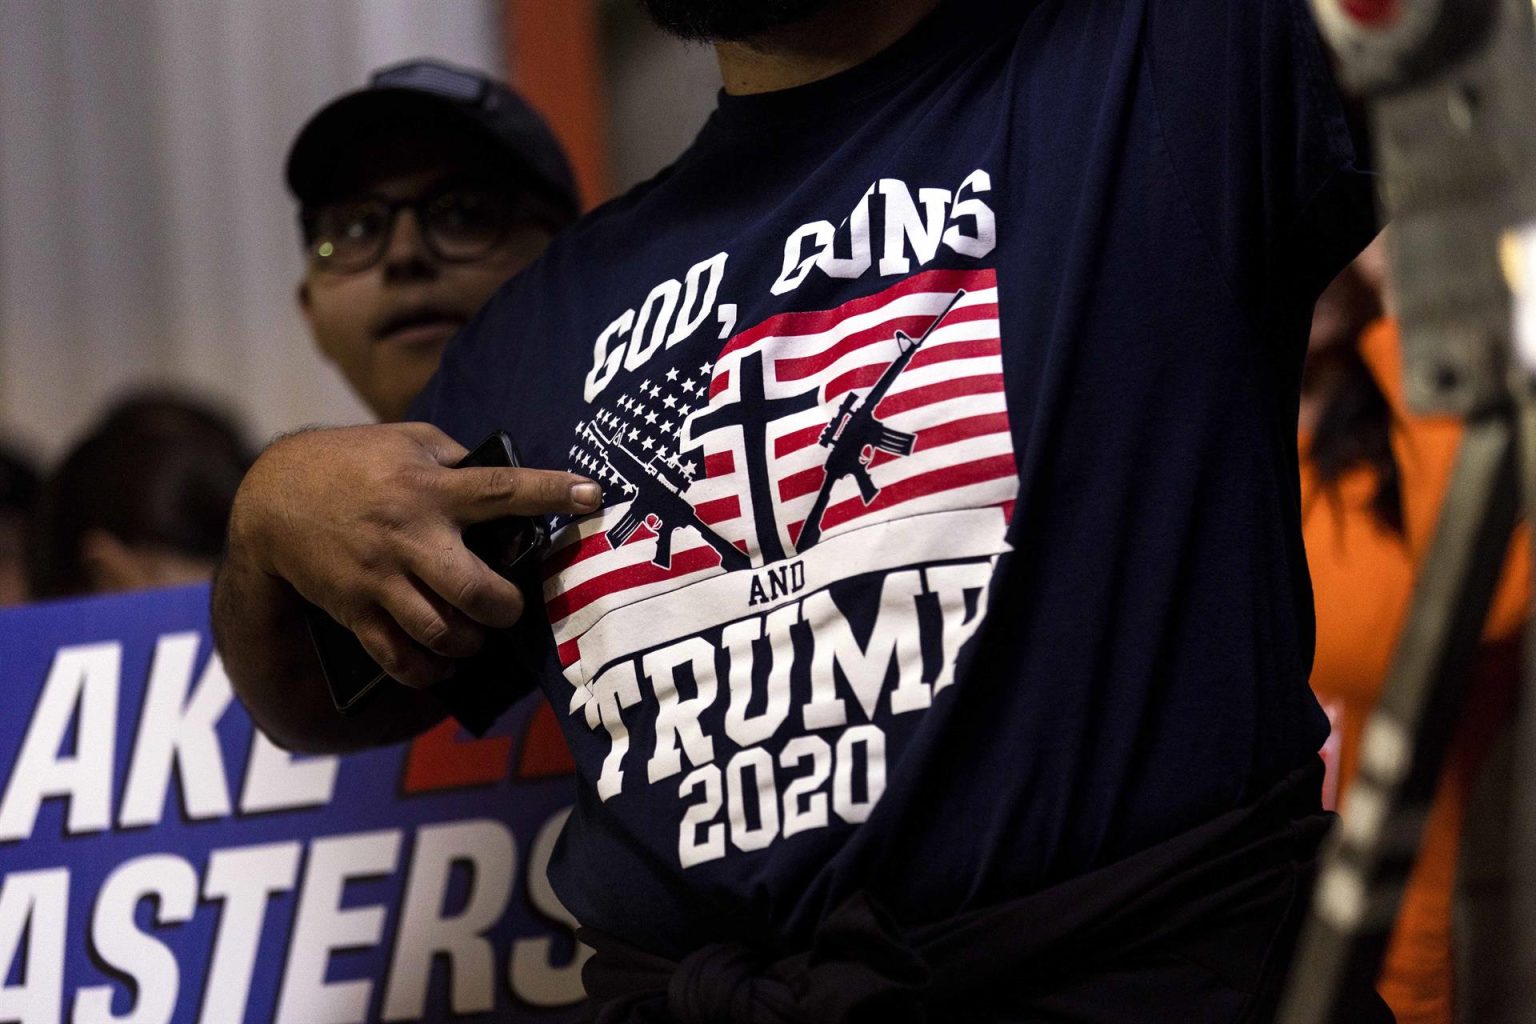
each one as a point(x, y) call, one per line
point(478, 495)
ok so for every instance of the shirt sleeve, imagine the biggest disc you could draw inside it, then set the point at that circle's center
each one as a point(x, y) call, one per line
point(1258, 136)
point(461, 400)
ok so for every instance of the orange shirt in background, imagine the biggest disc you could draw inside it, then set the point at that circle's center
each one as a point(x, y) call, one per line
point(1362, 578)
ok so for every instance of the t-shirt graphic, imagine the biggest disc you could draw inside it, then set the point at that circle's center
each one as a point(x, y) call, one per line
point(868, 440)
point(945, 414)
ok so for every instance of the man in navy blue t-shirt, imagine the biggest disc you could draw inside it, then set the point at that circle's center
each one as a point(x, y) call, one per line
point(925, 606)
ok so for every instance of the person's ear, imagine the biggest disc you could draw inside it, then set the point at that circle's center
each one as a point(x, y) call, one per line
point(110, 565)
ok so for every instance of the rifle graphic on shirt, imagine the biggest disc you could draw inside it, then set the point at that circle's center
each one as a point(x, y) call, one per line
point(855, 431)
point(659, 503)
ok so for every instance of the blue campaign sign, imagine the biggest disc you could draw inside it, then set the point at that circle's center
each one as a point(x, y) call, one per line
point(161, 861)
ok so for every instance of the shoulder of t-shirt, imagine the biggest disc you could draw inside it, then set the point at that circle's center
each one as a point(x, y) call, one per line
point(462, 394)
point(595, 221)
point(1257, 132)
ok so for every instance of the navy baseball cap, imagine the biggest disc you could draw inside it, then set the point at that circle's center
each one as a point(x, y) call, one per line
point(430, 94)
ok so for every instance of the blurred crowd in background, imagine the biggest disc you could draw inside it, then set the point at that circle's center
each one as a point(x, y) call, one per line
point(152, 246)
point(415, 222)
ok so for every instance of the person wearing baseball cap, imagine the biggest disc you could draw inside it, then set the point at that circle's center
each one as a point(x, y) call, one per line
point(419, 195)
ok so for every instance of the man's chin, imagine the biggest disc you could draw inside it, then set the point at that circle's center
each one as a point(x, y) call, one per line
point(729, 20)
point(390, 397)
point(431, 336)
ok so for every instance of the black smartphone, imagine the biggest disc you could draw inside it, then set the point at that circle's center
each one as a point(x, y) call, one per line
point(511, 546)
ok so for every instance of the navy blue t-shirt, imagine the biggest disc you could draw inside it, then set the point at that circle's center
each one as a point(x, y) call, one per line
point(946, 414)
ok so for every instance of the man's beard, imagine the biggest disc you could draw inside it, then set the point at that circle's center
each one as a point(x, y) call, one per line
point(715, 20)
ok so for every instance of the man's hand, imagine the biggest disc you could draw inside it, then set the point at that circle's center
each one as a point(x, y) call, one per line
point(367, 523)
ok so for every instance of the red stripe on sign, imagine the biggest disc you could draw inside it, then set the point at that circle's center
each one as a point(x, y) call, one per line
point(819, 321)
point(631, 576)
point(545, 753)
point(438, 759)
point(569, 652)
point(719, 382)
point(891, 495)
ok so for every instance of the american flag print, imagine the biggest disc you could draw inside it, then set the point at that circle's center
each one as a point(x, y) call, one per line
point(754, 457)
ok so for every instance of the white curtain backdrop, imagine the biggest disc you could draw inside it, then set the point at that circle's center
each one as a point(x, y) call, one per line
point(145, 234)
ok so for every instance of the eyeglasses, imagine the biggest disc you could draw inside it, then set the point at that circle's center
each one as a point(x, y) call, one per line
point(457, 224)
